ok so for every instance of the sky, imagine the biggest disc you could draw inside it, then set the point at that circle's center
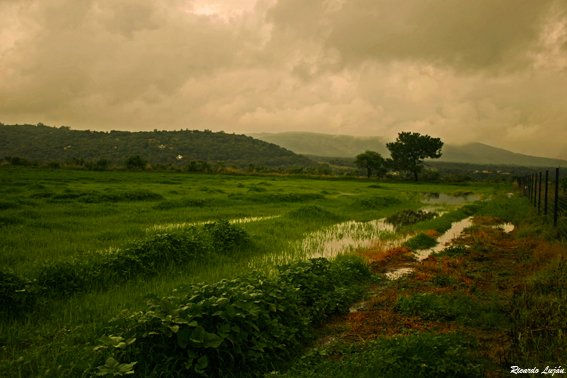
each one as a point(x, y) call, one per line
point(491, 71)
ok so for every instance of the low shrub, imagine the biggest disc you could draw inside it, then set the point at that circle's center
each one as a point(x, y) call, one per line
point(247, 325)
point(312, 212)
point(186, 202)
point(453, 251)
point(142, 258)
point(420, 241)
point(225, 237)
point(16, 295)
point(376, 202)
point(5, 205)
point(10, 221)
point(407, 217)
point(98, 197)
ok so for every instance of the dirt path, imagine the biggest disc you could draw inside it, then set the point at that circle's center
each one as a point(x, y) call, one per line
point(469, 288)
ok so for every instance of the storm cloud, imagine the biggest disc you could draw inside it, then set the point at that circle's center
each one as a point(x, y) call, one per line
point(493, 71)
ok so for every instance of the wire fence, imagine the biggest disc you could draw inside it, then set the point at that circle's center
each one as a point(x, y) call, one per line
point(547, 194)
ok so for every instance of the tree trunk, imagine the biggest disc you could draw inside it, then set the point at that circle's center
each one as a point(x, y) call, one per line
point(368, 172)
point(415, 175)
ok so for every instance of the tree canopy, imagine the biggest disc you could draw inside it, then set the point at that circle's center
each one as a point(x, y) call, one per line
point(409, 150)
point(373, 162)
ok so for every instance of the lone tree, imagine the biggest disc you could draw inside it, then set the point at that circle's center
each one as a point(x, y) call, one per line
point(372, 162)
point(409, 150)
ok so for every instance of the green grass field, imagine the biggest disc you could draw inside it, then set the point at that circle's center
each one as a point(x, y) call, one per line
point(53, 217)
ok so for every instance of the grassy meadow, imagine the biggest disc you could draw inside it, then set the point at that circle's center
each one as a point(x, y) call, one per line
point(56, 221)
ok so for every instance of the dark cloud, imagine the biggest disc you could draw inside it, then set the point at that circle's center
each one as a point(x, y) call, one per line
point(484, 70)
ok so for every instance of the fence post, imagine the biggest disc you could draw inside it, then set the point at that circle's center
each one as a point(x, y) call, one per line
point(556, 200)
point(531, 180)
point(539, 194)
point(545, 197)
point(535, 189)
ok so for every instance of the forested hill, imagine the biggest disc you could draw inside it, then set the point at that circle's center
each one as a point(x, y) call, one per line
point(44, 143)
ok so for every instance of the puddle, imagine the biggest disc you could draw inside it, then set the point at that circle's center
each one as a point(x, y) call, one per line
point(332, 241)
point(446, 238)
point(178, 226)
point(506, 227)
point(451, 199)
point(344, 237)
point(398, 273)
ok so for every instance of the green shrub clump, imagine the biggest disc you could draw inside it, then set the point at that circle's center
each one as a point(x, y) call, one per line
point(420, 241)
point(246, 325)
point(407, 217)
point(376, 202)
point(16, 295)
point(142, 258)
point(225, 237)
point(312, 212)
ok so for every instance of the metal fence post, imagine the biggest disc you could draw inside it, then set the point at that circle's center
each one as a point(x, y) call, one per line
point(545, 196)
point(556, 200)
point(539, 194)
point(535, 189)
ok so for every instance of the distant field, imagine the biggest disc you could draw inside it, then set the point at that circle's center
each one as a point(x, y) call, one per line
point(52, 217)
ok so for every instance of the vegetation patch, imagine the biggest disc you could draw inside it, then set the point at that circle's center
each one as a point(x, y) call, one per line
point(143, 258)
point(16, 295)
point(377, 202)
point(249, 324)
point(98, 197)
point(278, 197)
point(420, 241)
point(312, 212)
point(9, 221)
point(453, 251)
point(415, 355)
point(452, 307)
point(538, 316)
point(186, 202)
point(407, 217)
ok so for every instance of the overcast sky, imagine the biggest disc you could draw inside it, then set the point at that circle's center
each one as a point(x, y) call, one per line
point(492, 71)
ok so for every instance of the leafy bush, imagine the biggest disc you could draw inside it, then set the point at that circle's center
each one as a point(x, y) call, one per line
point(224, 327)
point(406, 217)
point(248, 325)
point(376, 202)
point(420, 241)
point(16, 295)
point(226, 237)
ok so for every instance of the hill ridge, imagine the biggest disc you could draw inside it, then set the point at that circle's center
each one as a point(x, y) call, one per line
point(46, 143)
point(347, 146)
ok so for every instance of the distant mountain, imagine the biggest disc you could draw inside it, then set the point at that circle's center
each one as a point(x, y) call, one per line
point(44, 143)
point(327, 145)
